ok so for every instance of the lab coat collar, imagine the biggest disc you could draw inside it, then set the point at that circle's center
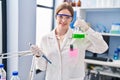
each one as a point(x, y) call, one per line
point(68, 36)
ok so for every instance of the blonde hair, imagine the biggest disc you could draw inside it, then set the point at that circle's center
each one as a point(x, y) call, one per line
point(64, 5)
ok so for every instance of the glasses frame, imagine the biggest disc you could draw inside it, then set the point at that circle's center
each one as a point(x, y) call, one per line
point(64, 16)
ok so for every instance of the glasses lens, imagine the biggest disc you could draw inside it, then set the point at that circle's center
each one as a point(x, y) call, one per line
point(66, 16)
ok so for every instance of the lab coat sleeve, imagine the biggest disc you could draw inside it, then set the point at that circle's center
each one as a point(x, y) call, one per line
point(95, 41)
point(40, 61)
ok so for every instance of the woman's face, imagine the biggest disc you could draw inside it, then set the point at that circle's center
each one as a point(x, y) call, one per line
point(63, 19)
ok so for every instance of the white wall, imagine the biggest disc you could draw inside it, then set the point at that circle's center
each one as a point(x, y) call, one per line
point(27, 31)
point(21, 21)
point(58, 2)
point(12, 33)
point(21, 29)
point(0, 28)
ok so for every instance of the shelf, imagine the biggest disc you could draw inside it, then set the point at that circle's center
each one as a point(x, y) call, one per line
point(109, 34)
point(97, 8)
point(107, 73)
point(96, 15)
point(115, 63)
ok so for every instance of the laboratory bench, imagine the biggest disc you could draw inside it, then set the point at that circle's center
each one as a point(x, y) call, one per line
point(115, 64)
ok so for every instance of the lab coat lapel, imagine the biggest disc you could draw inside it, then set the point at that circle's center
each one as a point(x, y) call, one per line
point(54, 40)
point(67, 38)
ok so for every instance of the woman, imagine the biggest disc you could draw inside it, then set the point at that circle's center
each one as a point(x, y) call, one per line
point(56, 46)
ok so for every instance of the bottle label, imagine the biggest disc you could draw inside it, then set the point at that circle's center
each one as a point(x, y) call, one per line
point(3, 79)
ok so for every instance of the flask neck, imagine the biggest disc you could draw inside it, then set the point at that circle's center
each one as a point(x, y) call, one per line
point(79, 3)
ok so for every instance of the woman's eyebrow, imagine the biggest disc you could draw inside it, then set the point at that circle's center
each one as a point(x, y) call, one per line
point(64, 15)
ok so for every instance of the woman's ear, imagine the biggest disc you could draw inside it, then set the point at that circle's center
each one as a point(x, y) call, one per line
point(55, 16)
point(72, 19)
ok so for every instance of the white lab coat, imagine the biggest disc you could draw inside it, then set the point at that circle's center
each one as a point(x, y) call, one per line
point(63, 66)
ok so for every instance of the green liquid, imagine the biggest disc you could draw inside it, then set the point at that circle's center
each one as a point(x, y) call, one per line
point(78, 36)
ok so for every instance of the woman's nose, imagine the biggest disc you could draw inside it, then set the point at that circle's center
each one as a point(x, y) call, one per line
point(64, 19)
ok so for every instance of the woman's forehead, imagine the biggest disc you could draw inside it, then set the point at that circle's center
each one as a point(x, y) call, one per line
point(64, 11)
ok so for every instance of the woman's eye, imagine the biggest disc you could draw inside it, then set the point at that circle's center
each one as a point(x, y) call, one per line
point(61, 16)
point(67, 17)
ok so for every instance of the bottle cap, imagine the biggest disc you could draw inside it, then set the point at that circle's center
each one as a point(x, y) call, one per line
point(15, 73)
point(116, 51)
point(1, 65)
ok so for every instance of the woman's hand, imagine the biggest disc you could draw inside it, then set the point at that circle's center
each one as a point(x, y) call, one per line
point(36, 50)
point(82, 24)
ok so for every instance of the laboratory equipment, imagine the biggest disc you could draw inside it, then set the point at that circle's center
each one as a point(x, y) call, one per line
point(15, 76)
point(115, 28)
point(43, 55)
point(97, 58)
point(2, 72)
point(77, 32)
point(116, 55)
point(32, 70)
point(20, 54)
point(73, 3)
point(78, 35)
point(79, 3)
point(92, 76)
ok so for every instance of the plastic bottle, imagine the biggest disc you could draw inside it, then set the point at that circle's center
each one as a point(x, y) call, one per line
point(73, 3)
point(2, 72)
point(15, 76)
point(115, 28)
point(118, 49)
point(116, 55)
point(79, 3)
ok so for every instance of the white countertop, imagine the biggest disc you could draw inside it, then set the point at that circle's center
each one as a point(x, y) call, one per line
point(115, 63)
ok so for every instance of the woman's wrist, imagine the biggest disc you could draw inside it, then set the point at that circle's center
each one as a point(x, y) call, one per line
point(37, 56)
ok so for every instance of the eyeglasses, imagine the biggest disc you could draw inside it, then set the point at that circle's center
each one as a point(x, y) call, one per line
point(64, 16)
